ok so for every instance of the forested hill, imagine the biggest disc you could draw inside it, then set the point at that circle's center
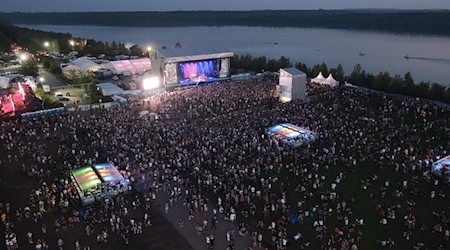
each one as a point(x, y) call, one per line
point(412, 22)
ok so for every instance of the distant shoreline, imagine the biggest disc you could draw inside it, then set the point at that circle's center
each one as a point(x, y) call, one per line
point(415, 22)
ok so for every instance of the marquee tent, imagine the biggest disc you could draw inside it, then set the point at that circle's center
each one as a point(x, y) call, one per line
point(331, 81)
point(319, 79)
point(134, 66)
point(110, 89)
point(86, 65)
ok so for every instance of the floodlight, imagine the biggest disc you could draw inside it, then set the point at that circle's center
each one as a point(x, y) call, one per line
point(151, 83)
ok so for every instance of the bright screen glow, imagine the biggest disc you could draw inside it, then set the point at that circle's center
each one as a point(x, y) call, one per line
point(200, 71)
point(151, 83)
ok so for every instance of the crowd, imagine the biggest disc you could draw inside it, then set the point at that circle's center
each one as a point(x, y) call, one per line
point(209, 153)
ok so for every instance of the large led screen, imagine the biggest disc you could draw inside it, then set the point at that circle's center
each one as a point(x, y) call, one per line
point(200, 71)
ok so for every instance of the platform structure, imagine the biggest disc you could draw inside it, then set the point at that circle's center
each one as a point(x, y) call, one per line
point(291, 135)
point(98, 182)
point(292, 85)
point(188, 66)
point(441, 168)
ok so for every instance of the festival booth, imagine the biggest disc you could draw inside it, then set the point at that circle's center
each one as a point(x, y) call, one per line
point(291, 135)
point(441, 168)
point(99, 182)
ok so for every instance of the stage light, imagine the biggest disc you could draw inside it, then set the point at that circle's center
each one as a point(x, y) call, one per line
point(151, 83)
point(23, 57)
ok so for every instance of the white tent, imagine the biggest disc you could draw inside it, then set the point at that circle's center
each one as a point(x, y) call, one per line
point(109, 89)
point(319, 79)
point(85, 64)
point(331, 81)
point(134, 66)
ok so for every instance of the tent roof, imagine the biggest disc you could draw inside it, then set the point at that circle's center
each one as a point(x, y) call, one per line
point(293, 71)
point(319, 78)
point(110, 89)
point(85, 64)
point(331, 81)
point(133, 65)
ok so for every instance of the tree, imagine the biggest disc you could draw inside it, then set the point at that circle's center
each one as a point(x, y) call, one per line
point(93, 93)
point(423, 90)
point(382, 82)
point(397, 84)
point(135, 50)
point(339, 74)
point(356, 76)
point(437, 92)
point(29, 68)
point(304, 68)
point(409, 84)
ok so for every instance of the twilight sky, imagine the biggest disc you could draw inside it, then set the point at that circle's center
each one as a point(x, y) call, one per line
point(156, 5)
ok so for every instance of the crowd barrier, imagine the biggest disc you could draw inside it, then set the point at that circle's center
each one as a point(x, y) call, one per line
point(42, 114)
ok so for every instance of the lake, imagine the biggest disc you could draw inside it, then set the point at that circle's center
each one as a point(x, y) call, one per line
point(383, 52)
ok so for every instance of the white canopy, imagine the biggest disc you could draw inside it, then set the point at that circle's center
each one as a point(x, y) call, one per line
point(331, 81)
point(134, 66)
point(85, 64)
point(109, 89)
point(319, 79)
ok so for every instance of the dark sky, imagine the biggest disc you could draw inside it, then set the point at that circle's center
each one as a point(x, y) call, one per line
point(146, 5)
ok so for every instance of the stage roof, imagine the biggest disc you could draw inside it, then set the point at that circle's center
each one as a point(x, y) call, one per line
point(293, 71)
point(86, 178)
point(442, 165)
point(90, 177)
point(172, 55)
point(288, 130)
point(108, 172)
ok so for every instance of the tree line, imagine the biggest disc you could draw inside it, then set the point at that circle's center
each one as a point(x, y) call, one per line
point(44, 41)
point(430, 22)
point(383, 81)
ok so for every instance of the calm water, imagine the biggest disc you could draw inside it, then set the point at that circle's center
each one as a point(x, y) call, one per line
point(384, 52)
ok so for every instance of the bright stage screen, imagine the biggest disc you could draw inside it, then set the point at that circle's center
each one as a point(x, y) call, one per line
point(200, 71)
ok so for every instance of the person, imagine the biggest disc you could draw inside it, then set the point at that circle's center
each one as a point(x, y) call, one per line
point(60, 243)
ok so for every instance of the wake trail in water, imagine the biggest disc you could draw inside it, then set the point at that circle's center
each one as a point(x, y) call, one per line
point(430, 59)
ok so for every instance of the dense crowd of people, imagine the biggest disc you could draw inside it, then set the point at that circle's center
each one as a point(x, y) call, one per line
point(208, 152)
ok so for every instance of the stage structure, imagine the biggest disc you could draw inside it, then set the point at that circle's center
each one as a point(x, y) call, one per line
point(441, 168)
point(292, 84)
point(98, 182)
point(184, 66)
point(291, 135)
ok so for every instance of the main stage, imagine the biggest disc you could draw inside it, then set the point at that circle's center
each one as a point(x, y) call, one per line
point(185, 66)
